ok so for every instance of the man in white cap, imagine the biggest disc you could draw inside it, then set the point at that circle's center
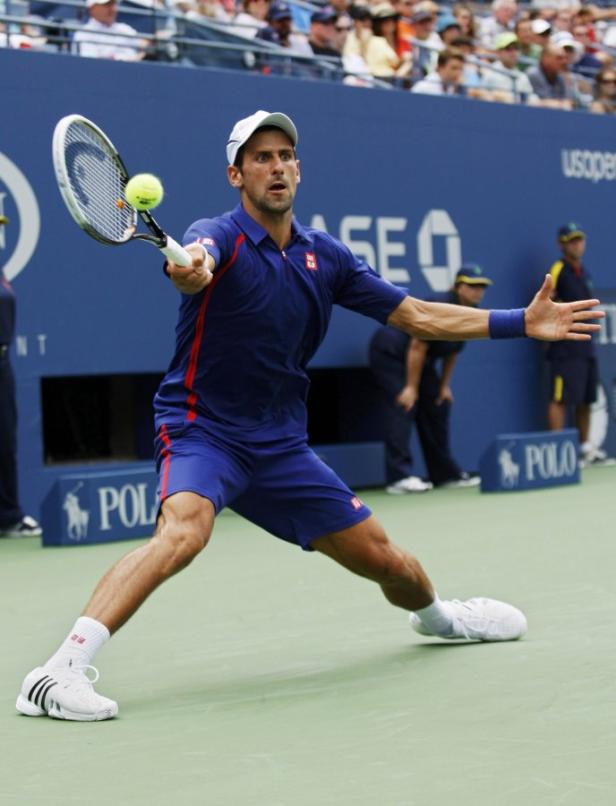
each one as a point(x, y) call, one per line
point(103, 37)
point(231, 415)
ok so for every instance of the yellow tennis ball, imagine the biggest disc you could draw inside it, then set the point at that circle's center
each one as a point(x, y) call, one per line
point(144, 191)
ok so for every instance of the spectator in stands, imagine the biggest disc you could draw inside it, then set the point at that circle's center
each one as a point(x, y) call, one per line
point(356, 44)
point(562, 20)
point(529, 49)
point(541, 32)
point(280, 30)
point(508, 85)
point(448, 28)
point(414, 376)
point(549, 81)
point(588, 63)
point(344, 26)
point(322, 34)
point(447, 78)
point(405, 31)
point(605, 92)
point(208, 9)
point(424, 54)
point(500, 21)
point(381, 56)
point(103, 37)
point(471, 78)
point(340, 6)
point(13, 522)
point(469, 25)
point(252, 18)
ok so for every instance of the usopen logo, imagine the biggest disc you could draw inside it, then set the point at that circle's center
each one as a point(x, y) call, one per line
point(18, 205)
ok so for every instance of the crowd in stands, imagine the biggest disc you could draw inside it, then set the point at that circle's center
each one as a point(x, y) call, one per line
point(553, 53)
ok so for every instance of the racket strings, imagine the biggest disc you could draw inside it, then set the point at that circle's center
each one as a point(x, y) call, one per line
point(97, 184)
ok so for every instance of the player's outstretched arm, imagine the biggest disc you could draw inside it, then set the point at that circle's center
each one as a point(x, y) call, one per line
point(194, 278)
point(543, 319)
point(556, 321)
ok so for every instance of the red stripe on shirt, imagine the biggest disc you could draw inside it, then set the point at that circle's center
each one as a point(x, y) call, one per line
point(164, 436)
point(196, 345)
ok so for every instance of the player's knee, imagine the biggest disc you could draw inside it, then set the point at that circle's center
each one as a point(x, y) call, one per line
point(179, 543)
point(186, 542)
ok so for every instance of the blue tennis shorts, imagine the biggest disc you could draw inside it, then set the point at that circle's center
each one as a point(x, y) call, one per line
point(574, 381)
point(283, 487)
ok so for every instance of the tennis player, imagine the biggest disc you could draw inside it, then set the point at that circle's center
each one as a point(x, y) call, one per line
point(231, 413)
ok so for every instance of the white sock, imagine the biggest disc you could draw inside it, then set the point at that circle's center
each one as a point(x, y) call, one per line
point(81, 644)
point(437, 617)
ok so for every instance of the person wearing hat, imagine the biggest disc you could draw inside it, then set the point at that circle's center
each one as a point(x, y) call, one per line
point(382, 49)
point(280, 30)
point(414, 377)
point(13, 521)
point(448, 28)
point(573, 367)
point(231, 418)
point(323, 32)
point(103, 37)
point(508, 84)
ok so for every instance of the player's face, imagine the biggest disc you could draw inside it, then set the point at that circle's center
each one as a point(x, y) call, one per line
point(470, 295)
point(269, 173)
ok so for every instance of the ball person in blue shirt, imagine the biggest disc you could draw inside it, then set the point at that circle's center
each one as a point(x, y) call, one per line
point(231, 413)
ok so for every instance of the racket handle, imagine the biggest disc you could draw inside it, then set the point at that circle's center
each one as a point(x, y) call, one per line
point(176, 253)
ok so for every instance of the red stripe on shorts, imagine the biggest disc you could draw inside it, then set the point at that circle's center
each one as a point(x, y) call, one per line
point(164, 436)
point(189, 379)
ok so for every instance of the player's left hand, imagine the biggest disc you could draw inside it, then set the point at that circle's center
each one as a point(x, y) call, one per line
point(556, 321)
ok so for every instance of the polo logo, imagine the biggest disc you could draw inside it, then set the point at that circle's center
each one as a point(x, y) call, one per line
point(311, 261)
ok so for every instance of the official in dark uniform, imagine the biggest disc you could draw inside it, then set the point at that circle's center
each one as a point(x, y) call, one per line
point(573, 366)
point(414, 376)
point(13, 522)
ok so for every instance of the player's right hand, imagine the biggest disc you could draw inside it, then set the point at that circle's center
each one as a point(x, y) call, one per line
point(194, 278)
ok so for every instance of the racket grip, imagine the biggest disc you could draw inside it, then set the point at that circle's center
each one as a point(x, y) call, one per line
point(176, 253)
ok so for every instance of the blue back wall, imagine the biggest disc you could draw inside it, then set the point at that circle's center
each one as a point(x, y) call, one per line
point(416, 183)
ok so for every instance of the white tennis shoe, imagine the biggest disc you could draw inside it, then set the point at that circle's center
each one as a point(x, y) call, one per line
point(64, 693)
point(411, 484)
point(480, 619)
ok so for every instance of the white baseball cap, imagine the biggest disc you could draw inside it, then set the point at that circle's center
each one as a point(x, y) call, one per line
point(90, 3)
point(245, 128)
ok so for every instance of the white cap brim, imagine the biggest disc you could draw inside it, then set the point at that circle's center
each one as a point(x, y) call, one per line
point(245, 128)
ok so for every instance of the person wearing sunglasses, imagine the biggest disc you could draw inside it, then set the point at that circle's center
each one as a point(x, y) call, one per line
point(605, 92)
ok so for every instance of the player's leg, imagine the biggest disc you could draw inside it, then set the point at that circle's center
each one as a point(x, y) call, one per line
point(182, 531)
point(298, 498)
point(366, 550)
point(61, 687)
point(198, 476)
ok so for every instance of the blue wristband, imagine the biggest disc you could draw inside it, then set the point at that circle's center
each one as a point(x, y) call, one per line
point(507, 324)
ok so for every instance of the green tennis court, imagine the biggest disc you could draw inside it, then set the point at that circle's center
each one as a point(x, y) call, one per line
point(265, 677)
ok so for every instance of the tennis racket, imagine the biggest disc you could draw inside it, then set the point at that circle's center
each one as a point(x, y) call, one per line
point(92, 177)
